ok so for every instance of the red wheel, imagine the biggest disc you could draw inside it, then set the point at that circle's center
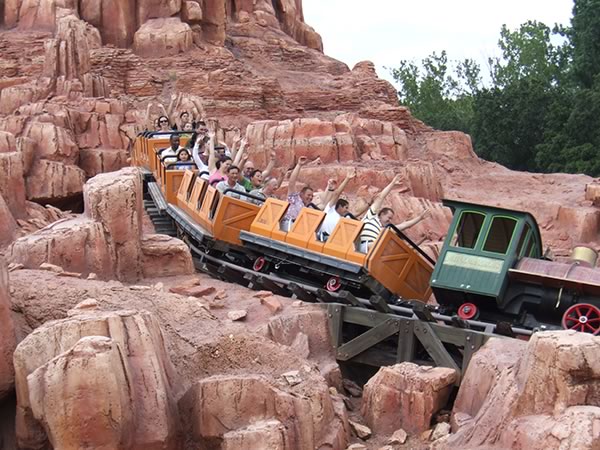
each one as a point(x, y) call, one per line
point(333, 284)
point(468, 311)
point(259, 264)
point(582, 317)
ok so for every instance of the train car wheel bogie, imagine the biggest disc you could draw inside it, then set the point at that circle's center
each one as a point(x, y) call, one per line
point(333, 284)
point(468, 311)
point(582, 317)
point(260, 264)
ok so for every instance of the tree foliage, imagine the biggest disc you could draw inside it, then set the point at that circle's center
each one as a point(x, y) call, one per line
point(540, 109)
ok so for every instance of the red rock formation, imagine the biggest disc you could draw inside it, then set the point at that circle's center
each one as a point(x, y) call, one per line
point(406, 396)
point(162, 37)
point(7, 335)
point(235, 408)
point(89, 384)
point(127, 346)
point(108, 240)
point(539, 395)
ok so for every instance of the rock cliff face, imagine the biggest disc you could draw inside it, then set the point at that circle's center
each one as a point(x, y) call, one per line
point(77, 77)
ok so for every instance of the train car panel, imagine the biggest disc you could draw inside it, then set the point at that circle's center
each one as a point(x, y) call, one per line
point(173, 180)
point(269, 217)
point(207, 210)
point(194, 203)
point(394, 264)
point(231, 217)
point(304, 229)
point(343, 238)
point(185, 189)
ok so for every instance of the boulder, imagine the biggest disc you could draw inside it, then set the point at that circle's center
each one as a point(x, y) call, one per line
point(133, 349)
point(50, 180)
point(116, 19)
point(164, 256)
point(97, 160)
point(7, 335)
point(239, 404)
point(54, 142)
point(163, 37)
point(521, 412)
point(84, 396)
point(152, 9)
point(107, 240)
point(77, 245)
point(115, 201)
point(406, 396)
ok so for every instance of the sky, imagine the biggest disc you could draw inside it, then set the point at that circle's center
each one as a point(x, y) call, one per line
point(387, 31)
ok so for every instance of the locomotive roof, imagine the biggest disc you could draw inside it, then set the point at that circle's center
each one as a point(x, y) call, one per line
point(489, 208)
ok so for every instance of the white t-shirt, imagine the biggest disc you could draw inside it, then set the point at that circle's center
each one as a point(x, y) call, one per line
point(331, 219)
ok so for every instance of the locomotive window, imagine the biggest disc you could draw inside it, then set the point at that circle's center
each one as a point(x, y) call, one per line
point(532, 250)
point(468, 229)
point(500, 235)
point(524, 236)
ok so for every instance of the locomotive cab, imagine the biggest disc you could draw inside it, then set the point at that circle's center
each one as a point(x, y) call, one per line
point(482, 244)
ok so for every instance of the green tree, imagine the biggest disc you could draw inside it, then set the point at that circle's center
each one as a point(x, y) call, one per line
point(438, 92)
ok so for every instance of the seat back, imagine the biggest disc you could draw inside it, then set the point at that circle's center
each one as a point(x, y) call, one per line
point(232, 216)
point(304, 229)
point(269, 217)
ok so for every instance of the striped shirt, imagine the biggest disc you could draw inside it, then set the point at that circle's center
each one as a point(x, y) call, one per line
point(371, 228)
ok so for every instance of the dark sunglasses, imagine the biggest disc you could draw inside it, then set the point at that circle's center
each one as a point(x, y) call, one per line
point(163, 121)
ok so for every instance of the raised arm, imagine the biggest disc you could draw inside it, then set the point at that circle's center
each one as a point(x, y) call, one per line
point(378, 202)
point(237, 159)
point(212, 156)
point(294, 176)
point(200, 108)
point(416, 220)
point(336, 194)
point(270, 166)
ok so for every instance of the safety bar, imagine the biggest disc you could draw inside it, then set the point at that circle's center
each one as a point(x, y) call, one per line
point(411, 243)
point(246, 194)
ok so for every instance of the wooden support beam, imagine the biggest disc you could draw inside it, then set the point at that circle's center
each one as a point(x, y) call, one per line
point(473, 342)
point(349, 298)
point(406, 341)
point(380, 304)
point(335, 312)
point(231, 275)
point(269, 285)
point(432, 344)
point(302, 294)
point(325, 296)
point(422, 312)
point(368, 339)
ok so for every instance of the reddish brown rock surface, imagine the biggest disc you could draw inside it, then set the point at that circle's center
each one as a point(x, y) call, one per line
point(539, 395)
point(203, 346)
point(108, 240)
point(406, 396)
point(55, 367)
point(7, 335)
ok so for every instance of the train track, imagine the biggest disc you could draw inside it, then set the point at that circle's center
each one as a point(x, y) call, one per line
point(364, 330)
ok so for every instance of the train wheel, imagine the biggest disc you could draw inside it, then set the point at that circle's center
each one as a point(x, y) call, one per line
point(468, 311)
point(333, 284)
point(259, 264)
point(582, 317)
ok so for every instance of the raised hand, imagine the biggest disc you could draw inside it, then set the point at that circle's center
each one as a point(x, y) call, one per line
point(302, 160)
point(272, 156)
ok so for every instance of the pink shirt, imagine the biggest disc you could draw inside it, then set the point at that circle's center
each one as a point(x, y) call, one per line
point(216, 178)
